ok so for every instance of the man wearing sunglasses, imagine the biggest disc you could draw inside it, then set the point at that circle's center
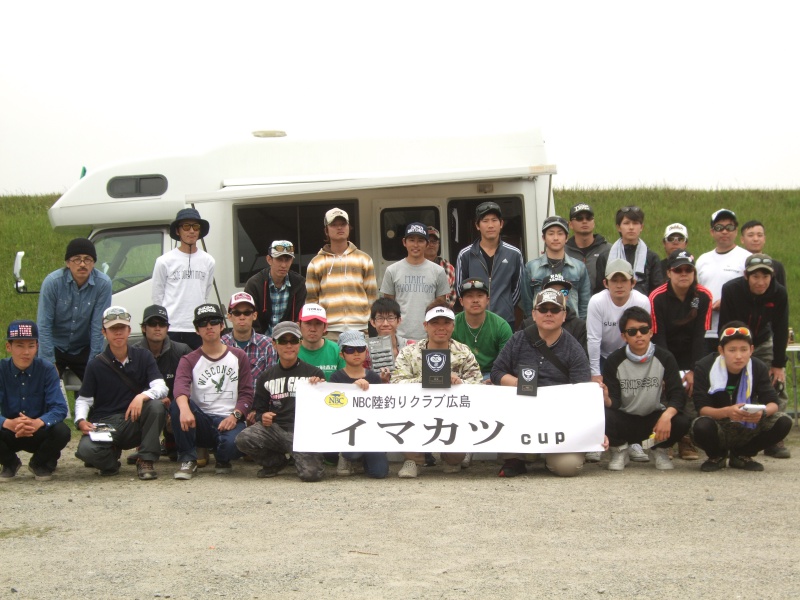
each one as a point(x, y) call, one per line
point(563, 362)
point(573, 325)
point(278, 292)
point(725, 384)
point(644, 395)
point(70, 337)
point(762, 303)
point(183, 277)
point(259, 349)
point(122, 388)
point(586, 245)
point(720, 265)
point(213, 395)
point(270, 439)
point(676, 237)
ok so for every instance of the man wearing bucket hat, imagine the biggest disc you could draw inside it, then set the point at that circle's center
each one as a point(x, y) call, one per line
point(32, 407)
point(182, 277)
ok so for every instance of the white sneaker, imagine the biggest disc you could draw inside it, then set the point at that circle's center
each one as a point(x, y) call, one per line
point(638, 454)
point(618, 457)
point(344, 468)
point(467, 461)
point(451, 468)
point(408, 470)
point(663, 461)
point(594, 457)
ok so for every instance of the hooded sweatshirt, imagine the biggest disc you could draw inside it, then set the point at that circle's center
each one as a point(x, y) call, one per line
point(588, 256)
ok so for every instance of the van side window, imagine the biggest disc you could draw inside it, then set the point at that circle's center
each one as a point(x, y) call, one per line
point(128, 256)
point(137, 186)
point(300, 223)
point(393, 228)
point(461, 228)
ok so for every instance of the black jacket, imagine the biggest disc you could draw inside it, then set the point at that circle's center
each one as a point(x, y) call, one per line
point(673, 328)
point(258, 287)
point(645, 283)
point(168, 360)
point(766, 315)
point(589, 256)
point(762, 390)
point(573, 325)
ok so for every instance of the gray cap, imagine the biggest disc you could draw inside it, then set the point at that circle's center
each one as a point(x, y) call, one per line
point(619, 265)
point(286, 327)
point(352, 338)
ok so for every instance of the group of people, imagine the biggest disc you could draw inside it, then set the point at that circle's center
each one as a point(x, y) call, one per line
point(685, 351)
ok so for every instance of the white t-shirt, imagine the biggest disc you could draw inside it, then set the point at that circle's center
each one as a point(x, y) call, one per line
point(181, 283)
point(714, 270)
point(414, 287)
point(602, 325)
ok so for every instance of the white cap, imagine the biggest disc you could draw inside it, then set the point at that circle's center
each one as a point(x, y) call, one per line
point(335, 213)
point(676, 228)
point(440, 311)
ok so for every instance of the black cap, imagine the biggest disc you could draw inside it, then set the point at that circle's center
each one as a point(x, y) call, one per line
point(679, 258)
point(580, 208)
point(724, 213)
point(207, 311)
point(155, 311)
point(484, 208)
point(188, 214)
point(80, 246)
point(555, 278)
point(555, 221)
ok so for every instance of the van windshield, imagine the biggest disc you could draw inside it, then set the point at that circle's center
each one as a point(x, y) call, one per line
point(128, 256)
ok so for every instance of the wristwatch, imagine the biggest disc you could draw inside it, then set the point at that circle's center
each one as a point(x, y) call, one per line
point(237, 414)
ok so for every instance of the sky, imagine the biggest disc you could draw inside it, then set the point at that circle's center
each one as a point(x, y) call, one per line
point(680, 94)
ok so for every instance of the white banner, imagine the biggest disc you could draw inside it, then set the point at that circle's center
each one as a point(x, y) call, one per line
point(465, 418)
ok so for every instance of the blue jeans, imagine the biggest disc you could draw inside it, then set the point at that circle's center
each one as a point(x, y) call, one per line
point(205, 434)
point(376, 464)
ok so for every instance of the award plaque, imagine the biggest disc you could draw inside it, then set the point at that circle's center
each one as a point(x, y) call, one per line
point(527, 381)
point(436, 368)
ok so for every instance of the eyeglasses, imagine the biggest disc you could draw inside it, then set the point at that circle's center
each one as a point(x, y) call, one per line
point(156, 323)
point(583, 218)
point(632, 331)
point(757, 260)
point(207, 322)
point(553, 310)
point(190, 226)
point(116, 314)
point(353, 349)
point(288, 341)
point(283, 247)
point(474, 284)
point(242, 313)
point(385, 318)
point(77, 260)
point(675, 238)
point(683, 270)
point(730, 227)
point(729, 331)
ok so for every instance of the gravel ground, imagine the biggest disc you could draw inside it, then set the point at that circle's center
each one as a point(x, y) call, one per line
point(637, 534)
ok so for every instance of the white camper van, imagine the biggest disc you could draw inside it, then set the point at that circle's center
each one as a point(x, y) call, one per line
point(272, 187)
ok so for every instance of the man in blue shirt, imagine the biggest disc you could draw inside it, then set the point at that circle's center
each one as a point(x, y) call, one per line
point(32, 407)
point(71, 306)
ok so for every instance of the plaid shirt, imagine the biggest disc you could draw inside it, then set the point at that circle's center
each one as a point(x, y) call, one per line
point(451, 279)
point(280, 301)
point(259, 350)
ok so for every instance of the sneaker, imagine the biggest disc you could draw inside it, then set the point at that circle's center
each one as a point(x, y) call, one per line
point(40, 473)
point(187, 470)
point(145, 470)
point(745, 463)
point(713, 464)
point(467, 461)
point(663, 461)
point(637, 453)
point(111, 472)
point(344, 468)
point(446, 468)
point(408, 470)
point(222, 467)
point(512, 467)
point(686, 449)
point(202, 457)
point(430, 460)
point(273, 468)
point(594, 457)
point(10, 471)
point(133, 458)
point(779, 450)
point(619, 456)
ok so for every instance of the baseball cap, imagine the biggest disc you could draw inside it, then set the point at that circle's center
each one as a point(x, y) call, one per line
point(580, 208)
point(155, 311)
point(758, 261)
point(352, 338)
point(207, 311)
point(416, 228)
point(680, 257)
point(313, 311)
point(439, 311)
point(484, 208)
point(619, 265)
point(432, 231)
point(676, 228)
point(335, 213)
point(554, 279)
point(473, 283)
point(723, 213)
point(281, 248)
point(240, 297)
point(555, 221)
point(22, 330)
point(116, 315)
point(286, 328)
point(550, 297)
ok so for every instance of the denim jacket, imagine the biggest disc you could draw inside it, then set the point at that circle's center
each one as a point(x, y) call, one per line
point(574, 271)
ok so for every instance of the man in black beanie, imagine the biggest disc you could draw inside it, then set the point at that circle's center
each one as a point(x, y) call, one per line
point(71, 305)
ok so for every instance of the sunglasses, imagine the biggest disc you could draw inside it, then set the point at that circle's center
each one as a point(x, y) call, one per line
point(156, 323)
point(583, 218)
point(474, 284)
point(190, 226)
point(730, 227)
point(729, 331)
point(207, 322)
point(562, 291)
point(354, 349)
point(117, 314)
point(632, 331)
point(288, 341)
point(682, 270)
point(757, 260)
point(242, 313)
point(675, 238)
point(77, 260)
point(283, 247)
point(387, 319)
point(630, 209)
point(553, 310)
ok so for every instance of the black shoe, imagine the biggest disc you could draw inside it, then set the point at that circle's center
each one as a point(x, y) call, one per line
point(746, 463)
point(10, 471)
point(430, 461)
point(713, 464)
point(222, 468)
point(111, 472)
point(273, 468)
point(40, 473)
point(512, 467)
point(133, 458)
point(779, 450)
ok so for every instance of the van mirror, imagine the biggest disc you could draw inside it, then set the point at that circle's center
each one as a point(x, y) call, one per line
point(19, 283)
